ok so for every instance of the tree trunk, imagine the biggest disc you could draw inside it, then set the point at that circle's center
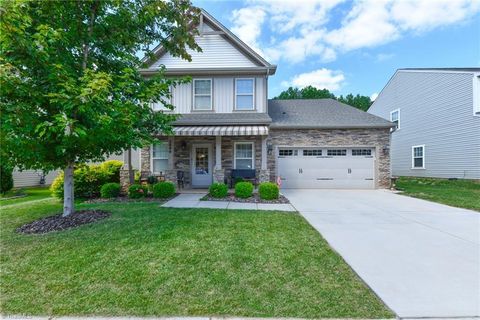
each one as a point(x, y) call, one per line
point(131, 176)
point(68, 191)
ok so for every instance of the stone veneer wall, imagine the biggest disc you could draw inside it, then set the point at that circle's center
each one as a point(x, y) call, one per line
point(378, 138)
point(182, 156)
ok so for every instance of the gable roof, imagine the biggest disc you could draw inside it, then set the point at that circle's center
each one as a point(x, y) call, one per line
point(218, 29)
point(442, 69)
point(320, 114)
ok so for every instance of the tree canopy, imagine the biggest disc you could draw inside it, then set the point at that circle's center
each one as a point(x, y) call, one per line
point(70, 89)
point(310, 92)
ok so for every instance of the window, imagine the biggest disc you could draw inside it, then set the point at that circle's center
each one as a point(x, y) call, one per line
point(160, 105)
point(476, 95)
point(287, 152)
point(312, 153)
point(160, 157)
point(202, 94)
point(361, 152)
point(244, 157)
point(395, 118)
point(418, 157)
point(244, 94)
point(337, 152)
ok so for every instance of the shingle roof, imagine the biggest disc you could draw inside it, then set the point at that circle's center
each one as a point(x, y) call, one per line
point(320, 114)
point(203, 119)
point(443, 69)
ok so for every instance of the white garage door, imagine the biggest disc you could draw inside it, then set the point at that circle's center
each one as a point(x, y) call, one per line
point(336, 168)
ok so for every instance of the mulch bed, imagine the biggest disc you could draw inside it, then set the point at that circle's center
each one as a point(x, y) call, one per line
point(253, 199)
point(58, 223)
point(127, 199)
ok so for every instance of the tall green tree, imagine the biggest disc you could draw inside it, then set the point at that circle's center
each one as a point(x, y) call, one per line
point(310, 92)
point(70, 90)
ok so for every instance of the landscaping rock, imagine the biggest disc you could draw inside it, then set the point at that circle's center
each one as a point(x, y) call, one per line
point(58, 223)
point(253, 199)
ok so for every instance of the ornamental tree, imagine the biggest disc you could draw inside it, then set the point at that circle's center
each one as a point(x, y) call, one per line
point(69, 81)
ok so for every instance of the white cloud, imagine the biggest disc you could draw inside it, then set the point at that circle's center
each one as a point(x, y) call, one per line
point(299, 29)
point(321, 79)
point(374, 96)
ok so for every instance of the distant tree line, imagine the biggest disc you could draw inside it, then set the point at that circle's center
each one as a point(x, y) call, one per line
point(310, 92)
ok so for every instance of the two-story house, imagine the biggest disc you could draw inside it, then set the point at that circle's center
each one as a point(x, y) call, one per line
point(227, 122)
point(437, 117)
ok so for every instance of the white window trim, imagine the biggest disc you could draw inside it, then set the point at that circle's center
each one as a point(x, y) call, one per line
point(202, 95)
point(243, 94)
point(423, 157)
point(151, 156)
point(235, 153)
point(391, 113)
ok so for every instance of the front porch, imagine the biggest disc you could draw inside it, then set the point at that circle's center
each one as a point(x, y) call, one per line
point(203, 157)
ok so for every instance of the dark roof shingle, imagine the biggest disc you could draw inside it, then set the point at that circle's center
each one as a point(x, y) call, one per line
point(320, 114)
point(205, 119)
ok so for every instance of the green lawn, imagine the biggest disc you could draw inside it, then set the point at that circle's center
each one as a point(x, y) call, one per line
point(32, 193)
point(147, 260)
point(457, 193)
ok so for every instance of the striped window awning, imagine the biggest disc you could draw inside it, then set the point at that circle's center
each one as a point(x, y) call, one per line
point(220, 130)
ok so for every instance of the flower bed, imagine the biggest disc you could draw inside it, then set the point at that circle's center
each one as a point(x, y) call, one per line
point(253, 199)
point(127, 199)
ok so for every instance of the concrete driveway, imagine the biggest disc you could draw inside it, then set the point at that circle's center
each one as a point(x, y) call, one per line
point(421, 258)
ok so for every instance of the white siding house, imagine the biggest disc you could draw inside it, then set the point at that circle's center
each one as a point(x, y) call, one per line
point(437, 112)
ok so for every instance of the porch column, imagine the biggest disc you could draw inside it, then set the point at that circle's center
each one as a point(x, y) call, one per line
point(264, 174)
point(171, 172)
point(218, 172)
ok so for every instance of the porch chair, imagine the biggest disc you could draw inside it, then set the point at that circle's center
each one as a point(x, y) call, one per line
point(244, 174)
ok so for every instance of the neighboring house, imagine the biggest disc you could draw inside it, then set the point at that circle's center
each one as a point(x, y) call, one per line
point(32, 178)
point(437, 113)
point(228, 123)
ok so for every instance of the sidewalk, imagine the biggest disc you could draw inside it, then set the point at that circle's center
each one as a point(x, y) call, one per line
point(192, 200)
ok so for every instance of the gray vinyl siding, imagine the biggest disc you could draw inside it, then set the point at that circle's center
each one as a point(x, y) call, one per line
point(436, 110)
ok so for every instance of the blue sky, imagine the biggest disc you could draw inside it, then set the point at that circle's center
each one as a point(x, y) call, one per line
point(352, 46)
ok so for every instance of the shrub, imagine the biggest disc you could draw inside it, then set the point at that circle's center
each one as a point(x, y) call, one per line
point(6, 179)
point(237, 180)
point(163, 189)
point(110, 190)
point(137, 191)
point(244, 189)
point(268, 191)
point(218, 190)
point(88, 179)
point(112, 169)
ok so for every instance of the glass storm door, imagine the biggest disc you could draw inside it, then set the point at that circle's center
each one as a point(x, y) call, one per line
point(202, 165)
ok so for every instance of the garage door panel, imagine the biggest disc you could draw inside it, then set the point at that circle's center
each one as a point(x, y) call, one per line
point(336, 172)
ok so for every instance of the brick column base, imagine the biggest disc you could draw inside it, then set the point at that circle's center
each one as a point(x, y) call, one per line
point(219, 175)
point(263, 176)
point(124, 181)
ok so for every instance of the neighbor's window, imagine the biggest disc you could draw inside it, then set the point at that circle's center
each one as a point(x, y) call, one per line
point(312, 152)
point(337, 152)
point(160, 157)
point(202, 94)
point(244, 155)
point(418, 157)
point(361, 152)
point(395, 118)
point(244, 94)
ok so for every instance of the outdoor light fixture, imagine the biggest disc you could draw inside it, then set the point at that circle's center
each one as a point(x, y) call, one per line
point(269, 148)
point(184, 145)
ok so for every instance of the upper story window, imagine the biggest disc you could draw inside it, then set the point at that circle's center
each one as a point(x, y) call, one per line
point(418, 157)
point(395, 118)
point(202, 94)
point(160, 106)
point(244, 94)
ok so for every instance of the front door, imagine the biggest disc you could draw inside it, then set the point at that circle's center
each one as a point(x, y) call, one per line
point(202, 165)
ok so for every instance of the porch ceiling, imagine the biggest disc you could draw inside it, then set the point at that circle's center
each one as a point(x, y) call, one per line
point(220, 130)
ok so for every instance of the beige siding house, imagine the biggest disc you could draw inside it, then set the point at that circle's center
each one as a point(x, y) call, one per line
point(227, 125)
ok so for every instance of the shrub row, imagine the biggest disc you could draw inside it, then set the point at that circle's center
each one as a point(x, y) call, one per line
point(266, 190)
point(160, 190)
point(89, 179)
